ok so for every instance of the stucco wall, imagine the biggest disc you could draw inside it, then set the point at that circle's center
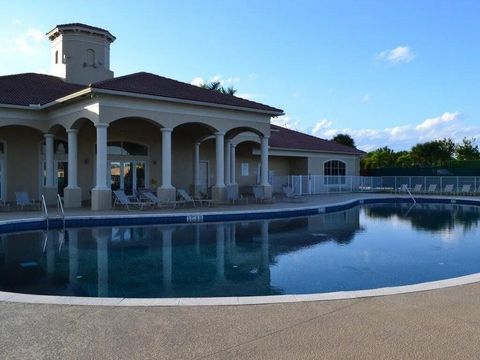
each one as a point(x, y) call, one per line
point(22, 160)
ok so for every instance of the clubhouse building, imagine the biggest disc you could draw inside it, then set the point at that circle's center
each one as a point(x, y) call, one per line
point(81, 133)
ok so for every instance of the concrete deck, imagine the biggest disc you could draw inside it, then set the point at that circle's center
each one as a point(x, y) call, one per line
point(437, 324)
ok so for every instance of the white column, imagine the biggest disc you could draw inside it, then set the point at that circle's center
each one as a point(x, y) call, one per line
point(228, 148)
point(101, 183)
point(49, 140)
point(72, 158)
point(264, 157)
point(220, 182)
point(166, 158)
point(233, 179)
point(196, 164)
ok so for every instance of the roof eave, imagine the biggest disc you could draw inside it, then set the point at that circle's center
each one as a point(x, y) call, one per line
point(318, 151)
point(184, 101)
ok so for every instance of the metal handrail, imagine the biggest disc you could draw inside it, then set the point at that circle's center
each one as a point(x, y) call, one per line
point(45, 211)
point(405, 187)
point(61, 212)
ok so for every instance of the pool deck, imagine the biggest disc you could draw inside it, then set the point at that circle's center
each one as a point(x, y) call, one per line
point(437, 324)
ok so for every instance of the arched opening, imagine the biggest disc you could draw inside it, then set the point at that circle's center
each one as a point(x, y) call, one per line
point(133, 150)
point(334, 172)
point(193, 157)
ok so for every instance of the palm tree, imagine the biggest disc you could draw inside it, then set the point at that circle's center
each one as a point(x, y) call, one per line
point(216, 86)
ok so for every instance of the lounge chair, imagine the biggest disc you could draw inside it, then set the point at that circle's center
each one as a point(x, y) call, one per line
point(432, 188)
point(417, 188)
point(234, 197)
point(151, 197)
point(289, 192)
point(448, 189)
point(187, 199)
point(23, 201)
point(259, 195)
point(122, 199)
point(466, 189)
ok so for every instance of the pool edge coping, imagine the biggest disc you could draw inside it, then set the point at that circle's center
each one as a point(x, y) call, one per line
point(12, 297)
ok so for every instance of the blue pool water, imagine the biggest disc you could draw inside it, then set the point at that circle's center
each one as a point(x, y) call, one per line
point(363, 247)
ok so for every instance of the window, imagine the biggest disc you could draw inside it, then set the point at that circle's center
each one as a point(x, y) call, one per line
point(334, 171)
point(2, 150)
point(60, 147)
point(56, 57)
point(90, 58)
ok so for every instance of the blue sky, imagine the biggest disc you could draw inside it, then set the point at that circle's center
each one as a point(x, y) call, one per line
point(387, 72)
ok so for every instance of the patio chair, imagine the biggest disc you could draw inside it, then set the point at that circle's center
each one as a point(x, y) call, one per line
point(417, 188)
point(187, 199)
point(290, 194)
point(448, 189)
point(121, 199)
point(466, 189)
point(234, 197)
point(24, 201)
point(259, 195)
point(432, 188)
point(151, 197)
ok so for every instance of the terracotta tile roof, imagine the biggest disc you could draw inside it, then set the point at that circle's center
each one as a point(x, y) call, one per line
point(79, 26)
point(151, 84)
point(31, 88)
point(281, 137)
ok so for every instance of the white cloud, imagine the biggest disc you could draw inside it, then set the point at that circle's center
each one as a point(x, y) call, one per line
point(31, 42)
point(400, 54)
point(197, 81)
point(402, 137)
point(365, 98)
point(286, 122)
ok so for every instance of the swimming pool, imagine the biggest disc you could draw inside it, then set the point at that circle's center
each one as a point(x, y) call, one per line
point(364, 247)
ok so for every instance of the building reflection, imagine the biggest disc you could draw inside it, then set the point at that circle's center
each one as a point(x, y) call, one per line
point(225, 259)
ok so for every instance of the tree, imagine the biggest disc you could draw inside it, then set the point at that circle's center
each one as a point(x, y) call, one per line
point(344, 139)
point(467, 150)
point(433, 153)
point(380, 158)
point(217, 86)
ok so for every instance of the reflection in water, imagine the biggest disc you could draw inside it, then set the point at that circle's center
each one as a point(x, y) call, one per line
point(428, 217)
point(326, 252)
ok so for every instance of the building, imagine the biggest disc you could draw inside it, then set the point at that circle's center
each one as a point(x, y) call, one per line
point(82, 132)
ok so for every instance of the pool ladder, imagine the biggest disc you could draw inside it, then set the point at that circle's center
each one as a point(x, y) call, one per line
point(60, 214)
point(405, 187)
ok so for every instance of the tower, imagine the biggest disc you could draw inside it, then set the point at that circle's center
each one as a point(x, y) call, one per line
point(81, 53)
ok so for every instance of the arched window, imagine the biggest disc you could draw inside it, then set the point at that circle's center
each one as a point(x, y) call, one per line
point(90, 57)
point(334, 171)
point(126, 148)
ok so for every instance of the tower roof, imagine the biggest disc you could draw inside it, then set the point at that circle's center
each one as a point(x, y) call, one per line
point(79, 27)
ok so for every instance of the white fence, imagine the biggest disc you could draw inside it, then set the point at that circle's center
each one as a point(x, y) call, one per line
point(318, 184)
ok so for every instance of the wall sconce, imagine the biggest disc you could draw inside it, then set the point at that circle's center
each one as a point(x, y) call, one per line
point(85, 161)
point(154, 162)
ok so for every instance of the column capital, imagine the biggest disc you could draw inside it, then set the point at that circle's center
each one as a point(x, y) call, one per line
point(102, 125)
point(48, 135)
point(219, 133)
point(72, 131)
point(166, 130)
point(266, 137)
point(196, 143)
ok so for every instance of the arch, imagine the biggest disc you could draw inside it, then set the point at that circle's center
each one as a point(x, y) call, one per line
point(205, 125)
point(242, 129)
point(38, 126)
point(78, 123)
point(137, 118)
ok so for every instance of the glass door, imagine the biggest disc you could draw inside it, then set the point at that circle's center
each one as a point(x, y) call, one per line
point(128, 185)
point(115, 175)
point(128, 175)
point(62, 176)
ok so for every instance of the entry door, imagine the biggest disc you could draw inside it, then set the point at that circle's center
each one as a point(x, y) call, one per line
point(62, 176)
point(128, 175)
point(2, 181)
point(203, 176)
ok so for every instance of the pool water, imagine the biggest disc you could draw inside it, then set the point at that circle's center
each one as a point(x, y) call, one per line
point(360, 248)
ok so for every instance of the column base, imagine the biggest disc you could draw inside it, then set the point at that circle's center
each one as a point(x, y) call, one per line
point(219, 194)
point(101, 199)
point(267, 191)
point(72, 197)
point(235, 189)
point(166, 193)
point(50, 194)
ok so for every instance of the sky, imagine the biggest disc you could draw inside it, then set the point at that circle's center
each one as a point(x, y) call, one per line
point(387, 72)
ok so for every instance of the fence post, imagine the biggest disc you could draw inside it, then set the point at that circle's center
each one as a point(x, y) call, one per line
point(410, 182)
point(458, 185)
point(441, 184)
point(301, 181)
